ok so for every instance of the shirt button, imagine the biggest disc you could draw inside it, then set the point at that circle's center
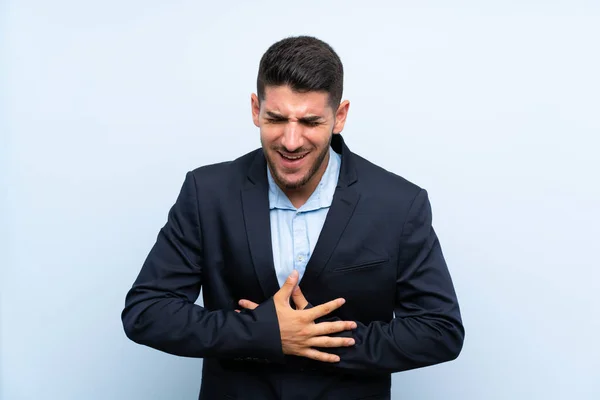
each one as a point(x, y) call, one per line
point(300, 258)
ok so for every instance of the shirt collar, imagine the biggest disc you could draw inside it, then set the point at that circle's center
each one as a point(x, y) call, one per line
point(322, 197)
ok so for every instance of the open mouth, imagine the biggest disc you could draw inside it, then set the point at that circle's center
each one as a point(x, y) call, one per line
point(293, 158)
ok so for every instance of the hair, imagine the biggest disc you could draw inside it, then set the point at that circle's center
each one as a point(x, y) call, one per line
point(305, 64)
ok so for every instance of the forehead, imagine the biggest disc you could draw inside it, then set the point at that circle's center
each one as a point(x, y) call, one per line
point(285, 101)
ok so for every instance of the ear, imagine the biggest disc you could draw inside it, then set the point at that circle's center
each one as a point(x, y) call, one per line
point(255, 104)
point(340, 117)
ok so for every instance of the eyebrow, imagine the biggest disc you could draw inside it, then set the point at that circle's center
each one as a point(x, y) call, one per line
point(309, 119)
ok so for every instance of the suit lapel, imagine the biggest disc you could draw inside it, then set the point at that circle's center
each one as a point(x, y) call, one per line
point(255, 204)
point(342, 208)
point(344, 202)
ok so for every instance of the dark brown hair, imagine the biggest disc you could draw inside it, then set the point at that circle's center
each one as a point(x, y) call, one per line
point(305, 64)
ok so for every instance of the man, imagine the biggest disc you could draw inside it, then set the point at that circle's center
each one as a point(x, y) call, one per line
point(321, 272)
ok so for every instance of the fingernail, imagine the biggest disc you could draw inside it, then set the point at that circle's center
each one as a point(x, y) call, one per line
point(350, 342)
point(336, 359)
point(353, 325)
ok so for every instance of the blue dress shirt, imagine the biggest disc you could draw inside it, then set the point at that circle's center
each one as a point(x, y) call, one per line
point(294, 231)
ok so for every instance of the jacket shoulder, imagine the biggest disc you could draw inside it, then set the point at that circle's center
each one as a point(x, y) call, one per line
point(380, 180)
point(225, 173)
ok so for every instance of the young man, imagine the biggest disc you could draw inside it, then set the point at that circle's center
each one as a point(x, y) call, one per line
point(321, 272)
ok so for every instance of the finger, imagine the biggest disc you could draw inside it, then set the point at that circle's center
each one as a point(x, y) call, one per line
point(250, 305)
point(237, 311)
point(328, 328)
point(299, 299)
point(327, 341)
point(319, 355)
point(324, 309)
point(287, 288)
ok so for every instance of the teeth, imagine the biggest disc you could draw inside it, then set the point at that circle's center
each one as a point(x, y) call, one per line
point(294, 158)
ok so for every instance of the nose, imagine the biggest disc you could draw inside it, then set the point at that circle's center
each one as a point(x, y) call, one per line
point(292, 139)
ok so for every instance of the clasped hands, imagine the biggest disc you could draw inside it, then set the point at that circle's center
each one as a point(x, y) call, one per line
point(298, 330)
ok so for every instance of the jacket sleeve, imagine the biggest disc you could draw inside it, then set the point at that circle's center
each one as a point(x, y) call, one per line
point(160, 311)
point(427, 328)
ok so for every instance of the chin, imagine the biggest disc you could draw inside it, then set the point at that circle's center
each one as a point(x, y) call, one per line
point(292, 184)
point(289, 181)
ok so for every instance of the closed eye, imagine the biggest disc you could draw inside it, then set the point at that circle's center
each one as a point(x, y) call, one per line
point(276, 120)
point(310, 123)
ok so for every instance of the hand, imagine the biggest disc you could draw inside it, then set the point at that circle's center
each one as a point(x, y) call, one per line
point(299, 333)
point(297, 297)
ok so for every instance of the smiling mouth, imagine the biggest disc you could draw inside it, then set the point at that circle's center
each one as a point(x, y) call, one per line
point(293, 158)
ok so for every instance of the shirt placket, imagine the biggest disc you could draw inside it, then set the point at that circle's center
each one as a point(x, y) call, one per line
point(300, 242)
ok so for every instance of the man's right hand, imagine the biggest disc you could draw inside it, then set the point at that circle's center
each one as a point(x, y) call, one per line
point(299, 332)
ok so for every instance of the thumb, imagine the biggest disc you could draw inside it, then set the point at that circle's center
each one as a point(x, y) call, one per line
point(288, 286)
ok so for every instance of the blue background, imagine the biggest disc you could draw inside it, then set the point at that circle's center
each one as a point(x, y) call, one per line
point(492, 106)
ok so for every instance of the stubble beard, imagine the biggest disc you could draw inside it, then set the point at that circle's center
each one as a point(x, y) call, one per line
point(311, 172)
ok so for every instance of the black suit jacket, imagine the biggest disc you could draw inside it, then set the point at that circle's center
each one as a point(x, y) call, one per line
point(377, 249)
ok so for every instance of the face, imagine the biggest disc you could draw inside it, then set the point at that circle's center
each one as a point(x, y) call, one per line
point(295, 132)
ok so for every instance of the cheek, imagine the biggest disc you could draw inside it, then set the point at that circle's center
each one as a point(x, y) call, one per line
point(268, 134)
point(319, 136)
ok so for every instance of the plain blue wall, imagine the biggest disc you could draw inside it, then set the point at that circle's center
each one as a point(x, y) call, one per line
point(492, 106)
